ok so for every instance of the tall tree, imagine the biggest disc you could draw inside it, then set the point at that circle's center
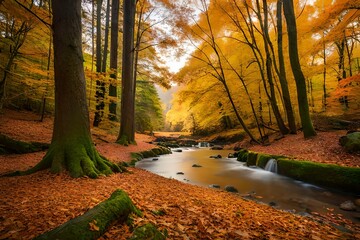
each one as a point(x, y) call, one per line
point(71, 147)
point(306, 123)
point(264, 23)
point(282, 72)
point(127, 122)
point(100, 85)
point(114, 57)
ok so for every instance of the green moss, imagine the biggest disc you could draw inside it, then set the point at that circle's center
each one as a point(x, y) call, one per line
point(148, 231)
point(10, 145)
point(262, 159)
point(94, 223)
point(242, 155)
point(251, 159)
point(327, 175)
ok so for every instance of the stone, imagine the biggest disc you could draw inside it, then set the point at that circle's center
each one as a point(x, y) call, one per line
point(180, 173)
point(196, 165)
point(155, 159)
point(177, 150)
point(230, 188)
point(357, 202)
point(272, 204)
point(214, 186)
point(216, 156)
point(351, 142)
point(348, 206)
point(217, 147)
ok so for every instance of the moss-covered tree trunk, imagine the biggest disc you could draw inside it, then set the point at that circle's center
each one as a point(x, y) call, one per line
point(71, 148)
point(306, 123)
point(92, 224)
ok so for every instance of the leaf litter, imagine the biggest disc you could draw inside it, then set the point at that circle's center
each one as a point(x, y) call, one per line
point(31, 205)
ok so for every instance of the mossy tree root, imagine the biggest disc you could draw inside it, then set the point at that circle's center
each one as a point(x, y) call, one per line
point(94, 223)
point(77, 158)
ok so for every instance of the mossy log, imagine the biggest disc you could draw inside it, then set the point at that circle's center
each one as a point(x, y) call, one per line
point(251, 158)
point(9, 145)
point(326, 175)
point(242, 155)
point(94, 223)
point(148, 154)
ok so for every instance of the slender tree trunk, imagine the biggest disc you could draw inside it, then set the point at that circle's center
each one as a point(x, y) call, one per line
point(324, 76)
point(268, 63)
point(18, 37)
point(306, 123)
point(282, 73)
point(114, 58)
point(106, 40)
point(100, 85)
point(127, 123)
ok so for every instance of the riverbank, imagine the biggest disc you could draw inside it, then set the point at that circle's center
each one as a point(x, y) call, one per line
point(31, 205)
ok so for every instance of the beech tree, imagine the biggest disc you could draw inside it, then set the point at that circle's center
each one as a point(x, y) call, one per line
point(71, 147)
point(306, 123)
point(127, 122)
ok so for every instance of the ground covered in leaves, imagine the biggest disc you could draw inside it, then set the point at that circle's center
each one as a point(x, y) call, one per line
point(31, 205)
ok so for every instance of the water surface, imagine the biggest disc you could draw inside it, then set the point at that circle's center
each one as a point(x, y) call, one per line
point(264, 186)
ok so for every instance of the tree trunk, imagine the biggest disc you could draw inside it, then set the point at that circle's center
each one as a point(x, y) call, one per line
point(100, 85)
point(306, 123)
point(18, 37)
point(280, 122)
point(106, 40)
point(94, 223)
point(127, 127)
point(71, 147)
point(114, 57)
point(282, 72)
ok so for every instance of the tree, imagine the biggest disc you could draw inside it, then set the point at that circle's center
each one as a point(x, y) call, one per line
point(17, 29)
point(282, 72)
point(127, 127)
point(114, 57)
point(306, 123)
point(71, 147)
point(100, 85)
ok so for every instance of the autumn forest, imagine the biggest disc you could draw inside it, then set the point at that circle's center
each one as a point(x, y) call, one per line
point(155, 119)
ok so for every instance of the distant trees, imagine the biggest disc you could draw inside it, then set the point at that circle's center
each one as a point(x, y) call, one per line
point(12, 39)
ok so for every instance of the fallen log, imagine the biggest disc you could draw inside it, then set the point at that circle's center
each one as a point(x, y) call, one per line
point(94, 223)
point(9, 145)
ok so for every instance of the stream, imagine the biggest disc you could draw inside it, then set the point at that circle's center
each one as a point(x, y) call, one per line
point(255, 183)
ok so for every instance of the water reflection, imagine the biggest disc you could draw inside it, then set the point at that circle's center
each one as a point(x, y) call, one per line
point(268, 187)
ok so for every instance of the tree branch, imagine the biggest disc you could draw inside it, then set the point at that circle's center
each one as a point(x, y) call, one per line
point(29, 10)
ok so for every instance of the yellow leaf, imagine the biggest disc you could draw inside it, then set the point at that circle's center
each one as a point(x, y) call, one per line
point(93, 226)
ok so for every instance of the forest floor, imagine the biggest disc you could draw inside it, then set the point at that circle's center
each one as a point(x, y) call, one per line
point(31, 205)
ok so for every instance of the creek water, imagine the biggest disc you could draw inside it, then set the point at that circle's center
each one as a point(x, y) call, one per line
point(255, 183)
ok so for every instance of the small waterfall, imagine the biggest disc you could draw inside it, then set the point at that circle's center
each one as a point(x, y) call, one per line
point(271, 166)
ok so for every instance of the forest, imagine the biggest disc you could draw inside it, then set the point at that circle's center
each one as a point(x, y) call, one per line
point(83, 120)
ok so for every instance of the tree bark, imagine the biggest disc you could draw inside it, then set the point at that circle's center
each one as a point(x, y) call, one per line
point(114, 57)
point(306, 123)
point(71, 147)
point(127, 127)
point(94, 223)
point(282, 72)
point(100, 85)
point(269, 63)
